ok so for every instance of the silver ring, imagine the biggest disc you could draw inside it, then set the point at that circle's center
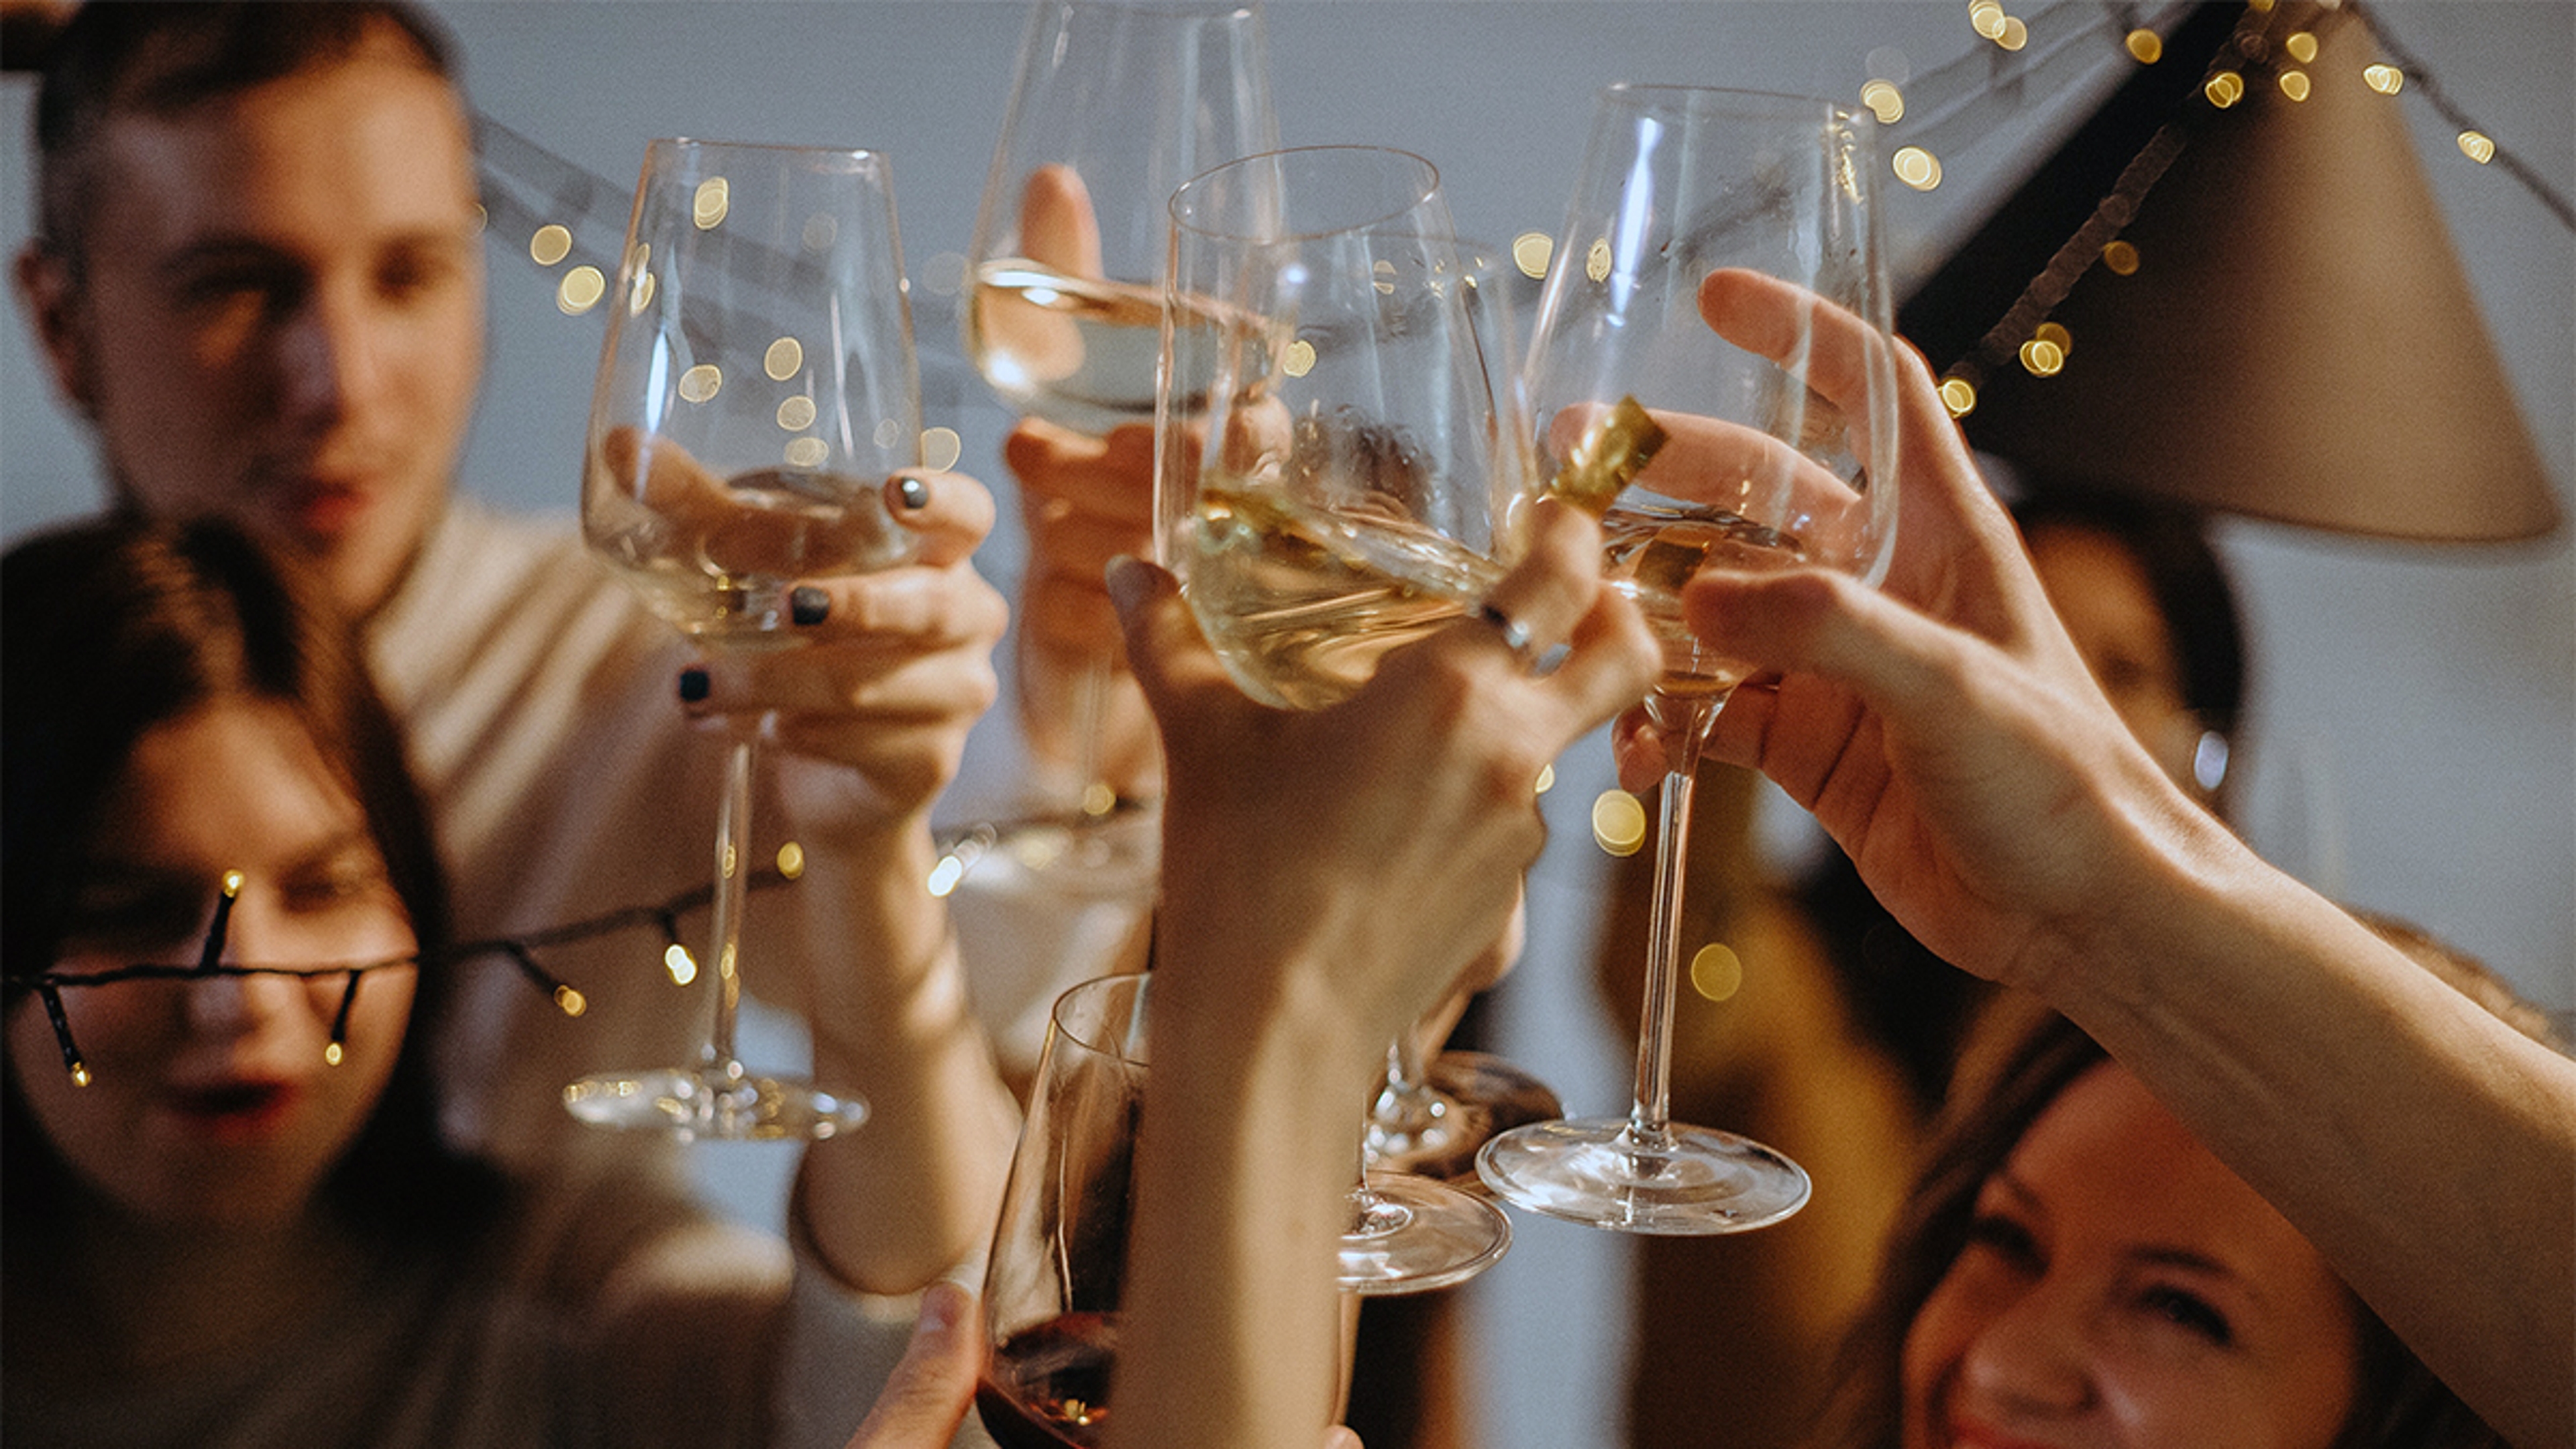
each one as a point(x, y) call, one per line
point(1516, 634)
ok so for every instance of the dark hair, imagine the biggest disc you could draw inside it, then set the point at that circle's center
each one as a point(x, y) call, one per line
point(160, 57)
point(2019, 1060)
point(110, 628)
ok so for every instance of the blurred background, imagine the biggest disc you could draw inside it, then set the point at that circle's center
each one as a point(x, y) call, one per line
point(2412, 737)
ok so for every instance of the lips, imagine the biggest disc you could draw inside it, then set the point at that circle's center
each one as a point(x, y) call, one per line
point(234, 1110)
point(324, 509)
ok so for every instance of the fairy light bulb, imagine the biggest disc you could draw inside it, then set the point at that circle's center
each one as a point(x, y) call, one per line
point(571, 1002)
point(682, 966)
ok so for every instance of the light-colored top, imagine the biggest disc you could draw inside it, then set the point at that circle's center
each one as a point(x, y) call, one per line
point(612, 1316)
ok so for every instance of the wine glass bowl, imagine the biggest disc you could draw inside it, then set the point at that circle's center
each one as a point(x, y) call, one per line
point(756, 390)
point(1053, 1280)
point(1714, 373)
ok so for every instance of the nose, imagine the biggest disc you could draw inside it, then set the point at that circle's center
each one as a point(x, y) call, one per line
point(2032, 1357)
point(331, 354)
point(239, 1005)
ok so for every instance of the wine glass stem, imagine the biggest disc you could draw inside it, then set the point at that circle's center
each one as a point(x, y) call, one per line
point(1686, 722)
point(1404, 1105)
point(733, 864)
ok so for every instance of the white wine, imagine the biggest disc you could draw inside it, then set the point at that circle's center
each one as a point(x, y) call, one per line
point(718, 563)
point(1077, 351)
point(1651, 551)
point(1302, 604)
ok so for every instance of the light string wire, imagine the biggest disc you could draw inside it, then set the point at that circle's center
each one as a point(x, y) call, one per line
point(2520, 170)
point(520, 949)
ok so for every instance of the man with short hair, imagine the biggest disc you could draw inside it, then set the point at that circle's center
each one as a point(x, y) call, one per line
point(259, 278)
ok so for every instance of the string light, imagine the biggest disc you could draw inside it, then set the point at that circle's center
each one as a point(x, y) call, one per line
point(519, 949)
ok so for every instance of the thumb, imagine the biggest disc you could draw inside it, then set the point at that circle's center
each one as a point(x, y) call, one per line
point(1170, 657)
point(926, 1397)
point(1057, 226)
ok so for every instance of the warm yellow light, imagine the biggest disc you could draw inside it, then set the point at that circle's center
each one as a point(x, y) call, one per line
point(1299, 359)
point(572, 1002)
point(791, 860)
point(232, 882)
point(1884, 100)
point(1987, 18)
point(1098, 799)
point(2388, 80)
point(940, 448)
point(639, 292)
point(682, 966)
point(701, 382)
point(1596, 260)
point(332, 1054)
point(1958, 396)
point(1916, 167)
point(1618, 822)
point(80, 1074)
point(2146, 46)
point(806, 452)
point(796, 414)
point(2120, 257)
point(2302, 47)
point(1546, 779)
point(2224, 89)
point(2294, 84)
point(2054, 335)
point(2476, 146)
point(713, 199)
point(1530, 252)
point(784, 357)
point(2042, 358)
point(551, 244)
point(1716, 972)
point(2015, 36)
point(580, 290)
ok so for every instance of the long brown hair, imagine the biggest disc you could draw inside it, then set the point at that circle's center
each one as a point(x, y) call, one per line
point(112, 627)
point(2020, 1058)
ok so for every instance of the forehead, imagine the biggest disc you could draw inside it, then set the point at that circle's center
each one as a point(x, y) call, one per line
point(2108, 1161)
point(356, 153)
point(234, 783)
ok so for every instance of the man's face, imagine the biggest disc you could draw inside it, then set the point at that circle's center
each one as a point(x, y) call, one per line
point(281, 317)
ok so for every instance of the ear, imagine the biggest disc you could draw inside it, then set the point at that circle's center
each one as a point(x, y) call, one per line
point(52, 298)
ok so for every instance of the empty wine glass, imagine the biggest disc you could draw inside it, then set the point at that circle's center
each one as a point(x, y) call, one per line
point(1681, 183)
point(1053, 1282)
point(1112, 107)
point(756, 389)
point(1350, 483)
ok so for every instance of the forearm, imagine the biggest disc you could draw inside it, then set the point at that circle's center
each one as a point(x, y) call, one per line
point(2428, 1149)
point(913, 1190)
point(1231, 1323)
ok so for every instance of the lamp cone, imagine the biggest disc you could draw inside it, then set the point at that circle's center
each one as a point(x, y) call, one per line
point(2297, 340)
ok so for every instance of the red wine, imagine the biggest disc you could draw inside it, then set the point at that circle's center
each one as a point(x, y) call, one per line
point(1048, 1385)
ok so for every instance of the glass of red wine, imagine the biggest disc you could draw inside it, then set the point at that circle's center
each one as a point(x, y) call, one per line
point(1052, 1284)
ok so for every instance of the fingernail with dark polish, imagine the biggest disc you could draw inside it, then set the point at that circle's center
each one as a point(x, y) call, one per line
point(914, 492)
point(807, 604)
point(694, 685)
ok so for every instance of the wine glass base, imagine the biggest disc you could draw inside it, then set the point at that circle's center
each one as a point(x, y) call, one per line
point(1419, 1235)
point(1467, 1097)
point(1115, 856)
point(1603, 1173)
point(698, 1104)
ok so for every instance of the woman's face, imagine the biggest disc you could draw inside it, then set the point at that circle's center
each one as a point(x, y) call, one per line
point(210, 1100)
point(2102, 592)
point(2121, 1287)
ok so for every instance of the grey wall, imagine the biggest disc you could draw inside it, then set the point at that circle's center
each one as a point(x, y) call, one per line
point(2414, 741)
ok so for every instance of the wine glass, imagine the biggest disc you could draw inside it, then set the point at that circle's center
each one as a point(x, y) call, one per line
point(1052, 1283)
point(756, 388)
point(1350, 481)
point(1114, 105)
point(1679, 183)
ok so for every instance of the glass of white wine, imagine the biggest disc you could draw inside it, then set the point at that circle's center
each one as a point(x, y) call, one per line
point(1777, 452)
point(1113, 105)
point(1354, 478)
point(756, 390)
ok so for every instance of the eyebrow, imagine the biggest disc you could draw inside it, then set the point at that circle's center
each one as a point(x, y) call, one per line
point(2162, 1255)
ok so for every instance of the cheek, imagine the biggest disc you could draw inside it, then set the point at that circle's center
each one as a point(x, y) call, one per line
point(1933, 1344)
